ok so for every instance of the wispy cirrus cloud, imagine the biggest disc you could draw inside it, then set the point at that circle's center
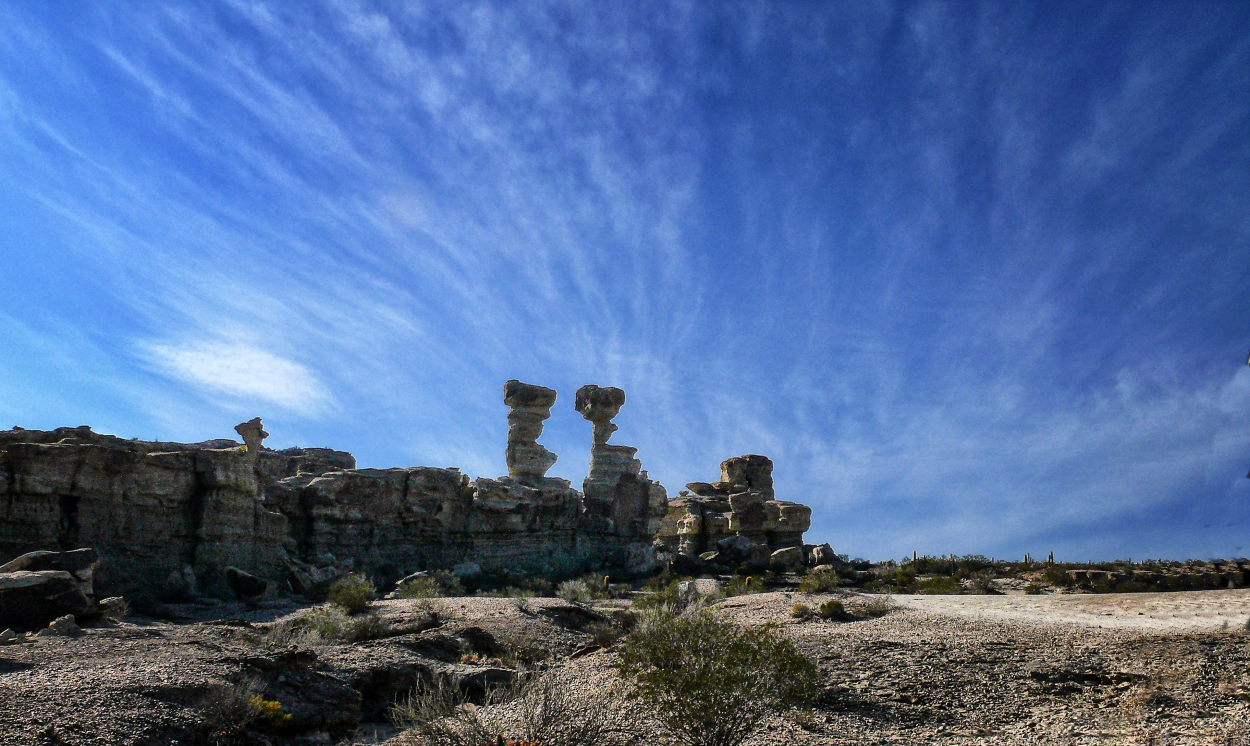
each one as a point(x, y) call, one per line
point(242, 371)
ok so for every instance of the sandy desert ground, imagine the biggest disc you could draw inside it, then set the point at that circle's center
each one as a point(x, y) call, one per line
point(1054, 669)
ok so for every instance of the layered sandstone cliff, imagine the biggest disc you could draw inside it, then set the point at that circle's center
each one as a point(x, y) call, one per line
point(171, 517)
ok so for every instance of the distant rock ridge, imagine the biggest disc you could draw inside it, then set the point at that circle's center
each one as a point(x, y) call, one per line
point(169, 519)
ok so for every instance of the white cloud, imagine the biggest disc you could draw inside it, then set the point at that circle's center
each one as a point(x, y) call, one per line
point(241, 371)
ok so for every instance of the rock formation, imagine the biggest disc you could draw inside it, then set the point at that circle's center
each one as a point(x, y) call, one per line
point(619, 497)
point(530, 406)
point(177, 520)
point(737, 517)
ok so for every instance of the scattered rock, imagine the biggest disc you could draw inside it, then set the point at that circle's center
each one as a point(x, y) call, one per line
point(114, 607)
point(65, 627)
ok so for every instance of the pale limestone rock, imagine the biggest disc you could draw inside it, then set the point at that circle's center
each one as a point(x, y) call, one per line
point(65, 626)
point(789, 558)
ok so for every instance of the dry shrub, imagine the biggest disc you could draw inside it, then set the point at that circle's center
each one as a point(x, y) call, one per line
point(552, 708)
point(521, 646)
point(981, 584)
point(879, 606)
point(434, 585)
point(822, 579)
point(575, 592)
point(548, 708)
point(801, 612)
point(354, 593)
point(227, 711)
point(743, 586)
point(711, 682)
point(329, 623)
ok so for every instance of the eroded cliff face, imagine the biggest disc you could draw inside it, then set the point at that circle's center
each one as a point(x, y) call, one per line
point(162, 513)
point(149, 508)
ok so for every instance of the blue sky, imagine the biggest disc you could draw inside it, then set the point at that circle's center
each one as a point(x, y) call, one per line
point(976, 277)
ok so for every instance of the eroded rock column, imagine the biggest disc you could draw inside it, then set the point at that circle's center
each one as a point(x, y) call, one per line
point(619, 497)
point(530, 406)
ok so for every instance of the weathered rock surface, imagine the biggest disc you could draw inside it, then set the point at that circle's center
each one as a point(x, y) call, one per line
point(740, 506)
point(31, 600)
point(169, 520)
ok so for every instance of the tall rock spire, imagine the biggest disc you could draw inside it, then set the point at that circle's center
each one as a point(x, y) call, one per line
point(530, 406)
point(619, 497)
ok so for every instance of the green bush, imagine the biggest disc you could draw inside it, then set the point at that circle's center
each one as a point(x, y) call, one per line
point(801, 612)
point(939, 586)
point(1057, 576)
point(711, 682)
point(832, 609)
point(354, 593)
point(823, 579)
point(575, 592)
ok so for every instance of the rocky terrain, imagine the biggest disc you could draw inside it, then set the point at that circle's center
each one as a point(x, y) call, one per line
point(1011, 669)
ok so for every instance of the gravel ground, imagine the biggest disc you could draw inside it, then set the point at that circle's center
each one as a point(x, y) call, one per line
point(1123, 669)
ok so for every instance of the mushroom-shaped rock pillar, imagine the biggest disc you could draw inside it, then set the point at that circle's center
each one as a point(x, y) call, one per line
point(607, 462)
point(530, 406)
point(253, 434)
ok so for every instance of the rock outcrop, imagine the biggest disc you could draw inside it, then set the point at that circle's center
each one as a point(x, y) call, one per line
point(150, 508)
point(734, 514)
point(175, 521)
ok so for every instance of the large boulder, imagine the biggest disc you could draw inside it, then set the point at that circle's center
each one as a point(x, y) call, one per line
point(821, 554)
point(786, 560)
point(32, 600)
point(244, 584)
point(81, 563)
